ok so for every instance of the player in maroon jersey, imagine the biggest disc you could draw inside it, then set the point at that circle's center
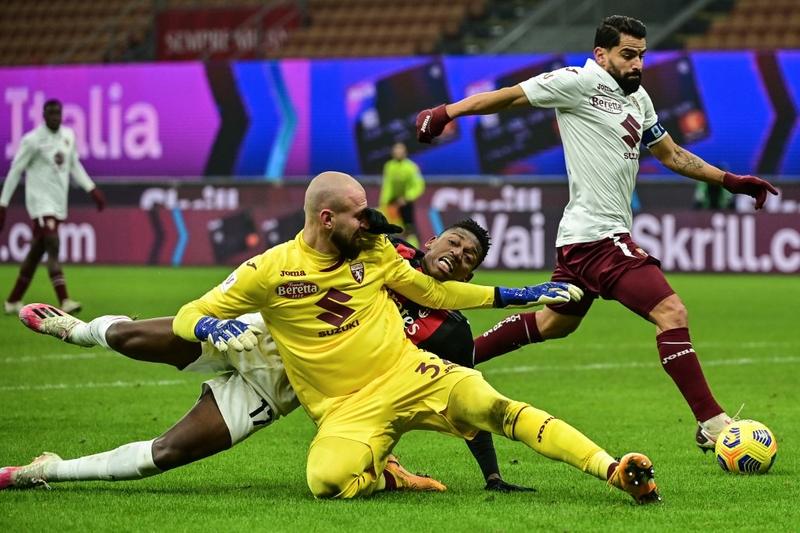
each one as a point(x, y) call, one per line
point(605, 116)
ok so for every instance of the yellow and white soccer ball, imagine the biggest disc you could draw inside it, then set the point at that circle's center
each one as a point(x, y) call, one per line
point(746, 447)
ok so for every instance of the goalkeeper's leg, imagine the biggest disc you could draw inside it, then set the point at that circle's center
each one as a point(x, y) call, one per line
point(200, 433)
point(339, 467)
point(475, 404)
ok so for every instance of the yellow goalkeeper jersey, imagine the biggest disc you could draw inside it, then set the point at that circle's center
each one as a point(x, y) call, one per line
point(333, 321)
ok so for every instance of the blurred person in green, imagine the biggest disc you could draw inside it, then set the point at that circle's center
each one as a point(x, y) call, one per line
point(402, 185)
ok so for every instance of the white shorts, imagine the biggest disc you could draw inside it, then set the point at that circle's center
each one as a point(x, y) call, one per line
point(253, 390)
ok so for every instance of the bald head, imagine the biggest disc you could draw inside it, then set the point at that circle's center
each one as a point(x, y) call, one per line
point(334, 207)
point(331, 190)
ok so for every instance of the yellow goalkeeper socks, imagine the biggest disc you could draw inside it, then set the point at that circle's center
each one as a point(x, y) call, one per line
point(555, 439)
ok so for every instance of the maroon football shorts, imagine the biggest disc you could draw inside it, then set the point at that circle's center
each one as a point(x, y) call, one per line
point(44, 226)
point(615, 268)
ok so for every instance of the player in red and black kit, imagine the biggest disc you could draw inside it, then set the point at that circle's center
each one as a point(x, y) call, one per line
point(448, 333)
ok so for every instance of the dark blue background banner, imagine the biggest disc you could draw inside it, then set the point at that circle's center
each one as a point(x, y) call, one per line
point(722, 106)
point(270, 119)
point(719, 106)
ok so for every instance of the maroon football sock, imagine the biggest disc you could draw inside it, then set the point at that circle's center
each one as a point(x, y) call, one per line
point(611, 468)
point(27, 270)
point(680, 362)
point(23, 281)
point(59, 284)
point(391, 482)
point(513, 332)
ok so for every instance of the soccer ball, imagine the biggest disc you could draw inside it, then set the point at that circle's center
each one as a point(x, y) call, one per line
point(746, 447)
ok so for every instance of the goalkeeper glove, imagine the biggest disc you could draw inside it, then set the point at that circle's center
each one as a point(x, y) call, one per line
point(431, 123)
point(551, 292)
point(749, 185)
point(227, 334)
point(378, 224)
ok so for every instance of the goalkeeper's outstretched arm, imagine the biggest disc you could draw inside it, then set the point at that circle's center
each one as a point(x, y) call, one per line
point(425, 290)
point(241, 292)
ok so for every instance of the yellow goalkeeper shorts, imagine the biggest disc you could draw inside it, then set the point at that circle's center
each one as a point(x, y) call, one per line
point(412, 395)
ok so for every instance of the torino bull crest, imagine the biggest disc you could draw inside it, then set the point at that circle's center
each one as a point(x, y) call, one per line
point(357, 270)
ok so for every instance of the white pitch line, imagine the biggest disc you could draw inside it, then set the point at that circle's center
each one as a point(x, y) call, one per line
point(739, 361)
point(92, 385)
point(51, 357)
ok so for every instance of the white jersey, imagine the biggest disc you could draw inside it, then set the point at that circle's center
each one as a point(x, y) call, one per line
point(47, 159)
point(262, 367)
point(601, 129)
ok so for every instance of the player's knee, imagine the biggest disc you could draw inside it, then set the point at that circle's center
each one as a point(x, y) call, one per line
point(328, 475)
point(671, 313)
point(339, 468)
point(166, 455)
point(121, 336)
point(511, 413)
point(36, 251)
point(51, 245)
point(557, 328)
point(327, 472)
point(324, 482)
point(487, 414)
point(498, 409)
point(681, 315)
point(116, 340)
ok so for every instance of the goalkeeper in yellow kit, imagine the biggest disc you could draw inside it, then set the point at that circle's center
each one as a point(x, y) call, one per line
point(402, 184)
point(323, 296)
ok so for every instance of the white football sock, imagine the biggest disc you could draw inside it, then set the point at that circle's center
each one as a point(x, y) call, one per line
point(81, 336)
point(131, 461)
point(94, 332)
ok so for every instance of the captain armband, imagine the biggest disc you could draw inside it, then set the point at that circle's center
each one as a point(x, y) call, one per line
point(653, 134)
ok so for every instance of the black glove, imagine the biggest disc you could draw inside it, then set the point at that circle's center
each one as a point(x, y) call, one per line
point(378, 224)
point(499, 485)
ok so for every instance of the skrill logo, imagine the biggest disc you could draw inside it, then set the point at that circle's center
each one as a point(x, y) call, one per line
point(725, 243)
point(106, 130)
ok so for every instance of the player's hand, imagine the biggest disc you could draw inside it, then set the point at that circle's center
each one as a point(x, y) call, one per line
point(227, 334)
point(2, 217)
point(749, 185)
point(378, 224)
point(551, 292)
point(499, 485)
point(431, 123)
point(99, 198)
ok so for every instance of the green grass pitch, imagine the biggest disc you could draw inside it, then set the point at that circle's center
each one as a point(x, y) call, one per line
point(604, 379)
